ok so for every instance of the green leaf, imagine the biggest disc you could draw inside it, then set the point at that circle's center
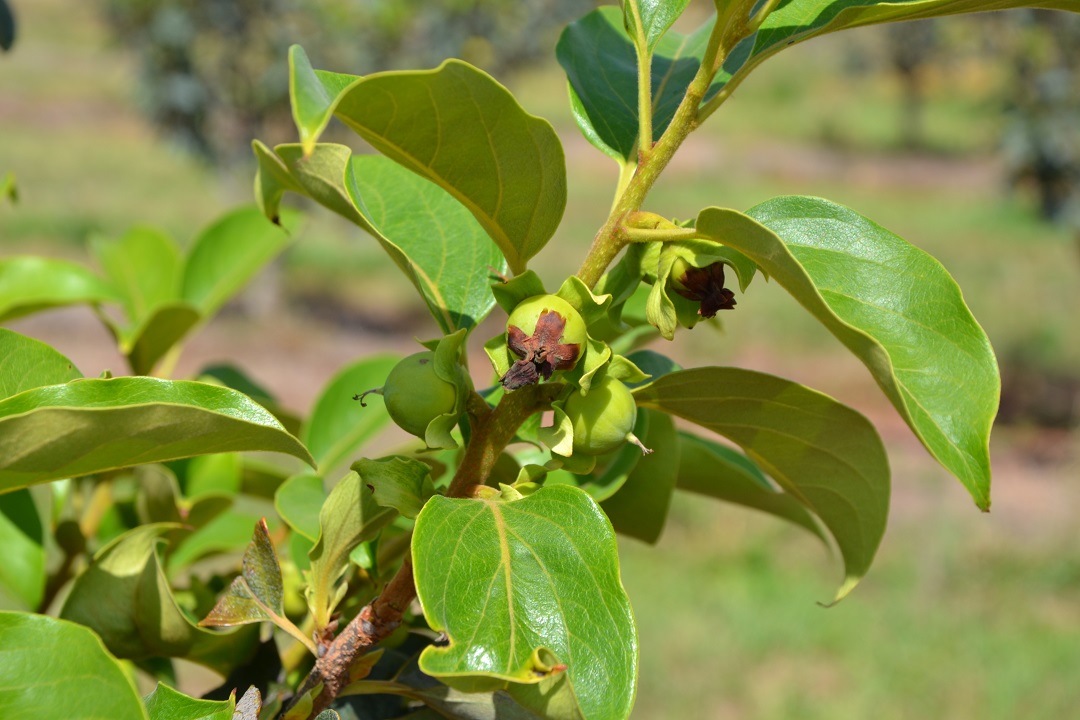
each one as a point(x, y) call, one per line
point(146, 344)
point(711, 469)
point(9, 187)
point(26, 363)
point(648, 20)
point(349, 517)
point(218, 474)
point(640, 507)
point(125, 598)
point(821, 452)
point(430, 236)
point(450, 253)
point(146, 268)
point(504, 165)
point(42, 655)
point(168, 704)
point(401, 483)
point(227, 254)
point(800, 20)
point(895, 307)
point(601, 65)
point(298, 500)
point(222, 531)
point(522, 588)
point(29, 284)
point(257, 593)
point(338, 425)
point(90, 426)
point(313, 95)
point(22, 537)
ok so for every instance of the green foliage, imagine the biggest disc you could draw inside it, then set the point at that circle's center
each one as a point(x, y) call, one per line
point(503, 525)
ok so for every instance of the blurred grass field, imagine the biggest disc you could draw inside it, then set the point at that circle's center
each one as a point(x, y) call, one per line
point(963, 616)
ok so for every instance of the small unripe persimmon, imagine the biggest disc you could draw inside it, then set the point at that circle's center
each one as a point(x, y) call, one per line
point(604, 419)
point(547, 334)
point(415, 395)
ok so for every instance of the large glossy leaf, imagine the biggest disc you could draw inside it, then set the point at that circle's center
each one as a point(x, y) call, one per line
point(168, 704)
point(227, 254)
point(821, 452)
point(429, 235)
point(125, 598)
point(338, 425)
point(465, 132)
point(521, 586)
point(712, 469)
point(30, 283)
point(640, 507)
point(349, 517)
point(90, 426)
point(600, 63)
point(895, 307)
point(26, 363)
point(22, 538)
point(57, 669)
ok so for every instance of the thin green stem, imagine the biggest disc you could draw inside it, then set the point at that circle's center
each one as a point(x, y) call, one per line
point(640, 235)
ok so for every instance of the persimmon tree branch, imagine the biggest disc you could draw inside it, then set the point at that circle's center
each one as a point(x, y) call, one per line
point(493, 430)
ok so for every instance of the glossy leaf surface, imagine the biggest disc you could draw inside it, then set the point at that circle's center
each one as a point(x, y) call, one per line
point(504, 165)
point(29, 284)
point(712, 469)
point(26, 363)
point(895, 307)
point(168, 704)
point(89, 426)
point(821, 452)
point(432, 238)
point(39, 654)
point(338, 425)
point(601, 65)
point(125, 598)
point(519, 586)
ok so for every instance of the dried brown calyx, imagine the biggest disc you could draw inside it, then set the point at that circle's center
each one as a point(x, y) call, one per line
point(706, 285)
point(541, 353)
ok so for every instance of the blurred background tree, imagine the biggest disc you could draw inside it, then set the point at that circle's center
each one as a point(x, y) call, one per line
point(213, 73)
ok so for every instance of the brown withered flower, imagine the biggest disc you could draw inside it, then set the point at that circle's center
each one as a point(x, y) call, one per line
point(706, 285)
point(547, 334)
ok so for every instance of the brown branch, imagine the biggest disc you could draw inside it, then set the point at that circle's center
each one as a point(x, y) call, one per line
point(492, 433)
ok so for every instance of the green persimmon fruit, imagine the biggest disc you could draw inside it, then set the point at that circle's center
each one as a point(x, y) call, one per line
point(547, 334)
point(604, 419)
point(415, 395)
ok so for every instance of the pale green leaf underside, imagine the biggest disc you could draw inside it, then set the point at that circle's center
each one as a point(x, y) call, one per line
point(90, 426)
point(895, 307)
point(823, 453)
point(504, 165)
point(505, 580)
point(40, 654)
